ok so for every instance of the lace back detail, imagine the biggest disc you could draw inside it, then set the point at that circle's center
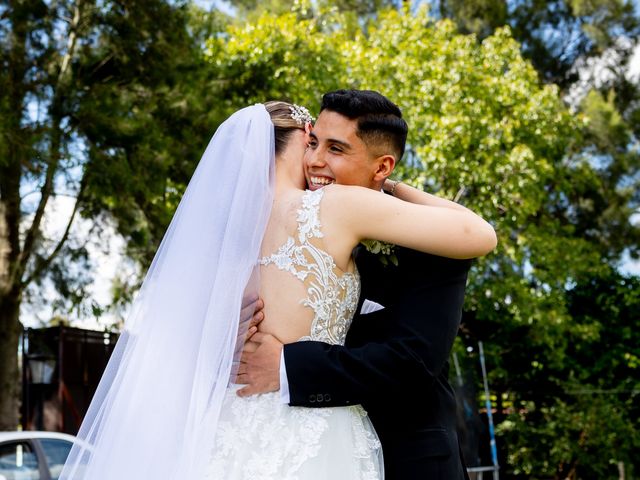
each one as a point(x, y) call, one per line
point(332, 294)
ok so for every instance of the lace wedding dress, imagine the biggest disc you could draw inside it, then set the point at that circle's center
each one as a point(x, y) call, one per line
point(261, 438)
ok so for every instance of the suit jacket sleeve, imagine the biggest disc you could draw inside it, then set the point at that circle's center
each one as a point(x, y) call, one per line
point(398, 349)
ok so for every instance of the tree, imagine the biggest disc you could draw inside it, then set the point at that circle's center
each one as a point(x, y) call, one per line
point(362, 8)
point(553, 34)
point(583, 412)
point(565, 40)
point(96, 106)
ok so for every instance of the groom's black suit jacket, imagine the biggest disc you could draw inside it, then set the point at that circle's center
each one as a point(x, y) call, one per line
point(395, 363)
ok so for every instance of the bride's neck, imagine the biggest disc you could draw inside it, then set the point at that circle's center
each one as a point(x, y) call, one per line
point(289, 175)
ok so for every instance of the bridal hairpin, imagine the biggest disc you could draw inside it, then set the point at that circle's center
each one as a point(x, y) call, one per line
point(301, 115)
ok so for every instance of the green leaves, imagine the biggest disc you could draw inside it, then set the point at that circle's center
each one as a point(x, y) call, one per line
point(265, 59)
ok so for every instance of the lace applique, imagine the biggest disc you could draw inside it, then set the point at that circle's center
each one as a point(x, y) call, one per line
point(260, 438)
point(331, 293)
point(309, 216)
point(366, 440)
point(281, 440)
point(286, 258)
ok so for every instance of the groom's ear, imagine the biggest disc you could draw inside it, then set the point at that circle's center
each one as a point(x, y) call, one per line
point(384, 166)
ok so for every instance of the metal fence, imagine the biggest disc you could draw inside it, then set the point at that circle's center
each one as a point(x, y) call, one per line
point(477, 473)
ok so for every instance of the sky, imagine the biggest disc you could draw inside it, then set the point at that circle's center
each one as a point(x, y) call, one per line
point(634, 65)
point(107, 251)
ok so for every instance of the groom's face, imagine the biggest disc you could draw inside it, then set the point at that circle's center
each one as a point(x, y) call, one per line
point(337, 155)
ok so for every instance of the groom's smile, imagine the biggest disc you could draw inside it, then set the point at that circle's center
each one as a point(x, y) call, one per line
point(316, 182)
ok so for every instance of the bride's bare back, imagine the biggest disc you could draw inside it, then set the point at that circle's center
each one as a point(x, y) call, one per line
point(306, 295)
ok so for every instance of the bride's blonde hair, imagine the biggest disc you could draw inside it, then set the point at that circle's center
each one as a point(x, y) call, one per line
point(283, 122)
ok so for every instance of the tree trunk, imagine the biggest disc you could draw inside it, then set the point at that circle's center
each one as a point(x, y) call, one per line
point(10, 285)
point(14, 151)
point(10, 289)
point(10, 391)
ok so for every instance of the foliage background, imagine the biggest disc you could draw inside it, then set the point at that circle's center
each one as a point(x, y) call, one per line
point(501, 119)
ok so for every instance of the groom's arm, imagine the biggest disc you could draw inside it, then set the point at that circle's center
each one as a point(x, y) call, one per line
point(322, 375)
point(424, 324)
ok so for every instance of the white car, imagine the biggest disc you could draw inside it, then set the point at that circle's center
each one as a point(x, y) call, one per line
point(31, 455)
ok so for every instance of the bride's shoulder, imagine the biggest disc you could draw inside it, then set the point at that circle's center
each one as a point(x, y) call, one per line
point(348, 195)
point(345, 191)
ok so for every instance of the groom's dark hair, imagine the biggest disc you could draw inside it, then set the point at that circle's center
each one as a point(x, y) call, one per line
point(380, 123)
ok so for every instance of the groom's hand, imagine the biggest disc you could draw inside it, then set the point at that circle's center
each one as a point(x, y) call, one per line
point(259, 366)
point(258, 316)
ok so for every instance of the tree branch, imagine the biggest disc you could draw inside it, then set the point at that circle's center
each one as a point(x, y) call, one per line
point(45, 194)
point(46, 262)
point(71, 42)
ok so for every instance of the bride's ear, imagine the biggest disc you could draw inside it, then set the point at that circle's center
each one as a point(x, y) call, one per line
point(385, 165)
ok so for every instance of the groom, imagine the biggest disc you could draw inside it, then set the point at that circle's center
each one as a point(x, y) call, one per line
point(395, 360)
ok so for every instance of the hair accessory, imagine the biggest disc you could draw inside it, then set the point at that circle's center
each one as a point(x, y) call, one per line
point(301, 115)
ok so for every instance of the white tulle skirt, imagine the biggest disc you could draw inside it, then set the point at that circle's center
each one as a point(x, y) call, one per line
point(261, 438)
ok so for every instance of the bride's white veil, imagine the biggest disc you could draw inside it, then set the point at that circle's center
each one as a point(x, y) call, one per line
point(155, 412)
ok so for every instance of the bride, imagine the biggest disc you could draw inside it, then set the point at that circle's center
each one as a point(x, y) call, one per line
point(246, 225)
